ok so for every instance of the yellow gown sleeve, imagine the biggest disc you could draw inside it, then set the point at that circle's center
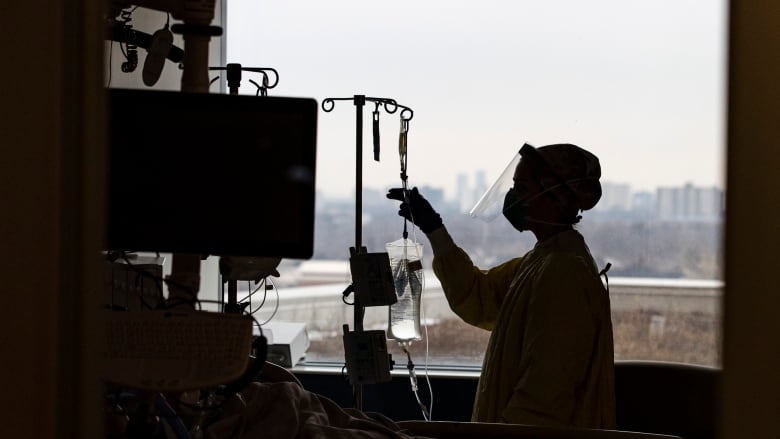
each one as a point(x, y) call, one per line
point(557, 345)
point(475, 295)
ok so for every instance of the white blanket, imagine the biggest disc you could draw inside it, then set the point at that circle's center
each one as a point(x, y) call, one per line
point(285, 410)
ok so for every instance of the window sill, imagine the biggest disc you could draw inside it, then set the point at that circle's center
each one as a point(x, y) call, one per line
point(323, 368)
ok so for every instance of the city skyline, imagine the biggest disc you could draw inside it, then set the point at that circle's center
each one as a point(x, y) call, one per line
point(485, 77)
point(452, 197)
point(666, 203)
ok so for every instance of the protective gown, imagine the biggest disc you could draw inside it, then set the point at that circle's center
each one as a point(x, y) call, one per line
point(550, 357)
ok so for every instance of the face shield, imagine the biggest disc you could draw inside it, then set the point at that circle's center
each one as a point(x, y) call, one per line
point(492, 203)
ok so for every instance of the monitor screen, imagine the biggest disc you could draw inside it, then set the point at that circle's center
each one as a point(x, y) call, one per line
point(211, 174)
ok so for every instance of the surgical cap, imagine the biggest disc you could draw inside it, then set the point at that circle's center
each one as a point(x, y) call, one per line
point(577, 168)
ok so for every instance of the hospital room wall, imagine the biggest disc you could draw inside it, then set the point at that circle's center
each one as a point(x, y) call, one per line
point(51, 151)
point(751, 356)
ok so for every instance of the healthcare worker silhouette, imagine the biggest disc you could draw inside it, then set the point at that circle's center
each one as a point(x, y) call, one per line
point(550, 357)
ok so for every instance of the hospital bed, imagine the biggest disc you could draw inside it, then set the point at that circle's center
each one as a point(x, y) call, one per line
point(478, 430)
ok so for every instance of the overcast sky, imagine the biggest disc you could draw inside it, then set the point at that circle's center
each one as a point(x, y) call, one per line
point(639, 83)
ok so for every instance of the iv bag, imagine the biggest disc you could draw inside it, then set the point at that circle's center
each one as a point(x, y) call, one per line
point(404, 315)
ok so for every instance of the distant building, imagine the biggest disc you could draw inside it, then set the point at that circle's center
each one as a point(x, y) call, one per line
point(461, 191)
point(479, 189)
point(467, 195)
point(374, 198)
point(434, 195)
point(615, 197)
point(689, 203)
point(643, 203)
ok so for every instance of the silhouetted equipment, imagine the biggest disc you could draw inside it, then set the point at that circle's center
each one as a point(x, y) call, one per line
point(211, 174)
point(360, 354)
point(233, 73)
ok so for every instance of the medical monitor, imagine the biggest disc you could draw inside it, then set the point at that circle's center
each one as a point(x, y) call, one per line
point(211, 174)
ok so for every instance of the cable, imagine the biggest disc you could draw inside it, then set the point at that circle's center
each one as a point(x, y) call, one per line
point(110, 58)
point(425, 326)
point(347, 291)
point(262, 283)
point(350, 289)
point(139, 274)
point(265, 292)
point(131, 56)
point(403, 152)
point(276, 306)
point(604, 273)
point(413, 380)
point(427, 376)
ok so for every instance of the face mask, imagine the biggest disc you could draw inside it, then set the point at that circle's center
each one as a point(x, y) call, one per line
point(515, 211)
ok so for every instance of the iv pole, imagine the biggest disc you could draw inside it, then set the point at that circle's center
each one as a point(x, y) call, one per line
point(233, 268)
point(234, 70)
point(390, 106)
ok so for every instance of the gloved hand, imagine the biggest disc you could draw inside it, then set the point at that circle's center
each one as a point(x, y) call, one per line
point(416, 209)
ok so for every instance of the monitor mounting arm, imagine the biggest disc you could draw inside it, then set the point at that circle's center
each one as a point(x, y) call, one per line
point(196, 28)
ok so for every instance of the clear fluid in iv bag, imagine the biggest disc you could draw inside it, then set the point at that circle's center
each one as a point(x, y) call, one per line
point(404, 315)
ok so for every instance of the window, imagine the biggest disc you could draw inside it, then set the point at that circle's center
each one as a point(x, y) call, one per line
point(641, 85)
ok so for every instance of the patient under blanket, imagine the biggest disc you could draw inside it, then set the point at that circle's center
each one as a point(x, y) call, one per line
point(285, 410)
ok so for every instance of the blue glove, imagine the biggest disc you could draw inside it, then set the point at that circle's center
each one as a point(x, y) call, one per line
point(416, 209)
